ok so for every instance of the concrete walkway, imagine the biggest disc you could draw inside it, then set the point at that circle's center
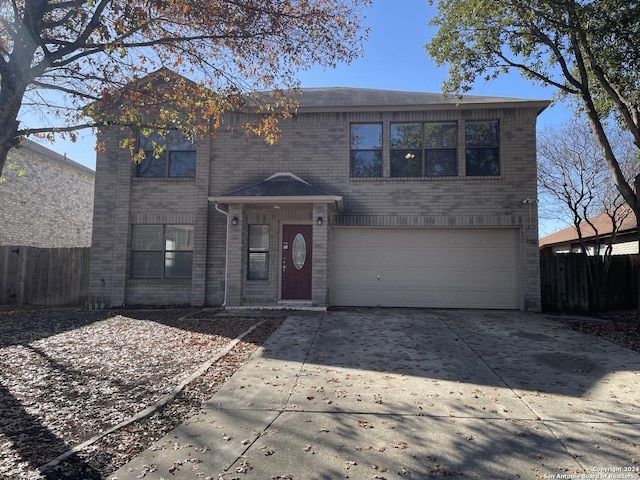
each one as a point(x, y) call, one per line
point(401, 393)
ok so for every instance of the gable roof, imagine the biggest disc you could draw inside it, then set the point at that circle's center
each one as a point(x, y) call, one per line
point(371, 97)
point(362, 99)
point(280, 188)
point(359, 99)
point(602, 224)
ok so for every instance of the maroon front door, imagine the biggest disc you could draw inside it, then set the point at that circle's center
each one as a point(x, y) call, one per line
point(296, 262)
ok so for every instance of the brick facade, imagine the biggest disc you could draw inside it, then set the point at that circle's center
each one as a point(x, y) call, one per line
point(51, 205)
point(314, 146)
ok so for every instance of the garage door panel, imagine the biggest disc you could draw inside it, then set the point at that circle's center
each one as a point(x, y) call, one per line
point(450, 268)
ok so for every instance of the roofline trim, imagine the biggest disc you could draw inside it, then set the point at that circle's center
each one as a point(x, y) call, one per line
point(277, 199)
point(541, 105)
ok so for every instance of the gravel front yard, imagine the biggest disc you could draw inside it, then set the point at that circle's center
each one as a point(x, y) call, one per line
point(67, 376)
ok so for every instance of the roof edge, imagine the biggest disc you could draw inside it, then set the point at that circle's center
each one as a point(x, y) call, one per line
point(277, 199)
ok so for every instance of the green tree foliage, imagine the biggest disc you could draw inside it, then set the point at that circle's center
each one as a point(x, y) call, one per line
point(72, 59)
point(588, 50)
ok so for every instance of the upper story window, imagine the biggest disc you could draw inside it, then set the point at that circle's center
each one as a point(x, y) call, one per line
point(173, 155)
point(366, 150)
point(440, 149)
point(162, 251)
point(482, 152)
point(406, 150)
point(428, 149)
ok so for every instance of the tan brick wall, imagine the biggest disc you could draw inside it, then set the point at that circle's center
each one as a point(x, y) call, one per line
point(51, 205)
point(314, 146)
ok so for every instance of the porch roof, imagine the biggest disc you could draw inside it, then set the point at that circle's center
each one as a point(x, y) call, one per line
point(279, 188)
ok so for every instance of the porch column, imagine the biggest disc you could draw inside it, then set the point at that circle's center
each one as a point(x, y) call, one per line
point(236, 248)
point(319, 282)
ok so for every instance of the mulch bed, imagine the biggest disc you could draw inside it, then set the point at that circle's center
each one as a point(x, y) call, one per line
point(67, 375)
point(618, 327)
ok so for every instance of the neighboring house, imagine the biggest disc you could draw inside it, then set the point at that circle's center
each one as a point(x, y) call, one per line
point(567, 241)
point(369, 198)
point(51, 204)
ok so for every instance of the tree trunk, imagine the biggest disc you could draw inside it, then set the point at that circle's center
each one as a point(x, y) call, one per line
point(636, 212)
point(638, 279)
point(10, 102)
point(8, 140)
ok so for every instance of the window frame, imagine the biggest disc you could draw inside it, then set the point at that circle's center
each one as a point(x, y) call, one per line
point(440, 148)
point(377, 161)
point(406, 152)
point(424, 148)
point(472, 148)
point(168, 142)
point(262, 250)
point(165, 254)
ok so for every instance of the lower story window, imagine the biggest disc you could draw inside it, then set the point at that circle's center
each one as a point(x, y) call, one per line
point(258, 264)
point(162, 251)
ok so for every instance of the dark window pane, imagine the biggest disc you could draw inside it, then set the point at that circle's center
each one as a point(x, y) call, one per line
point(441, 162)
point(366, 163)
point(182, 164)
point(406, 135)
point(482, 161)
point(146, 265)
point(258, 266)
point(179, 237)
point(178, 264)
point(152, 141)
point(151, 166)
point(440, 135)
point(258, 237)
point(177, 141)
point(406, 163)
point(179, 150)
point(366, 136)
point(480, 134)
point(147, 237)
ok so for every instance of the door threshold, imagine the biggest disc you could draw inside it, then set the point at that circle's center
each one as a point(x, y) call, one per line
point(304, 305)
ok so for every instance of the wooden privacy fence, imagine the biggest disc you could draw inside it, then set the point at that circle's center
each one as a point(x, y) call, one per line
point(565, 284)
point(44, 276)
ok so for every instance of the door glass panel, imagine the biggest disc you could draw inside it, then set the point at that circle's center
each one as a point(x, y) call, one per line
point(299, 251)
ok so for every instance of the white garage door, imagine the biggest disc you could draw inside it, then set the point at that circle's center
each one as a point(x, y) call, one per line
point(436, 268)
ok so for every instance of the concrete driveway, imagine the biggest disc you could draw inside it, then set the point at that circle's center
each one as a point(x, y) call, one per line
point(401, 393)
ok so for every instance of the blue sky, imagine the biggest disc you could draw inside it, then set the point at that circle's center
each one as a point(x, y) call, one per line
point(395, 59)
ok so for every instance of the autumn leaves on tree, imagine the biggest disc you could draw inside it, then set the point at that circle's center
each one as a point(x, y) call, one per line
point(71, 60)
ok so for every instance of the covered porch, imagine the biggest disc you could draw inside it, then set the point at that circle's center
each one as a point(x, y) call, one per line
point(277, 244)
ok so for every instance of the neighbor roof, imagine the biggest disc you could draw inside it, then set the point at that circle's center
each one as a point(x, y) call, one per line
point(45, 152)
point(602, 224)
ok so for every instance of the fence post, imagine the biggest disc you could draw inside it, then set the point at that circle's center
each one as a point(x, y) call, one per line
point(21, 280)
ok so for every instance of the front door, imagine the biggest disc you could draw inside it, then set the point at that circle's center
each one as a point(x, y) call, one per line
point(296, 262)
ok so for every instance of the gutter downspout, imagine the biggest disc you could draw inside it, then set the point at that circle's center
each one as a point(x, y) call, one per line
point(216, 205)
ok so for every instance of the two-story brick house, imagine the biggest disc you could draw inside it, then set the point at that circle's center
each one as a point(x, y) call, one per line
point(369, 198)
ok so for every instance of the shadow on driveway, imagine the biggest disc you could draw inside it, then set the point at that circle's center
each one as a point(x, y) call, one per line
point(401, 393)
